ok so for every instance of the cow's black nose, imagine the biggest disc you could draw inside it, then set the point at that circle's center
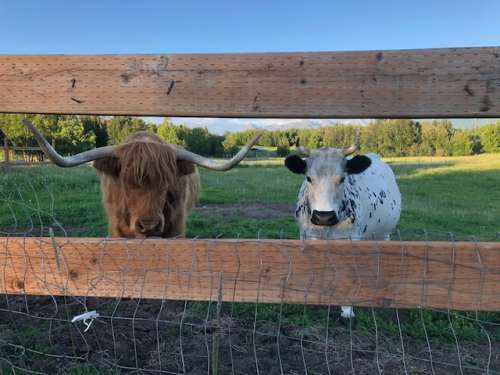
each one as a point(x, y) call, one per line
point(326, 218)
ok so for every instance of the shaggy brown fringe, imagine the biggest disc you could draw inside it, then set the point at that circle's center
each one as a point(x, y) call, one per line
point(145, 162)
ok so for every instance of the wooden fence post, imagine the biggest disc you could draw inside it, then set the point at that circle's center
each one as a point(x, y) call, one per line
point(6, 150)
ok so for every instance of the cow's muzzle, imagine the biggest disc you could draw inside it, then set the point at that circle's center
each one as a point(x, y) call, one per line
point(149, 227)
point(324, 218)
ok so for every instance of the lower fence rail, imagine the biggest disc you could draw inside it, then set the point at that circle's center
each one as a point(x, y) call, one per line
point(441, 275)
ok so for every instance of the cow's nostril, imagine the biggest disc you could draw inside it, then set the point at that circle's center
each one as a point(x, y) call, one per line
point(147, 225)
point(324, 218)
point(334, 220)
point(140, 226)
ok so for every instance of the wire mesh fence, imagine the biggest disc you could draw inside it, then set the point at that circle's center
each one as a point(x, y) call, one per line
point(176, 337)
point(131, 332)
point(256, 306)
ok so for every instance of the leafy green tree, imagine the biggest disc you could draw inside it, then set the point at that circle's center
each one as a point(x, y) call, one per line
point(316, 140)
point(267, 139)
point(466, 143)
point(401, 137)
point(231, 143)
point(198, 140)
point(70, 136)
point(67, 133)
point(169, 133)
point(13, 128)
point(97, 126)
point(340, 136)
point(120, 127)
point(490, 137)
point(282, 150)
point(436, 138)
point(291, 136)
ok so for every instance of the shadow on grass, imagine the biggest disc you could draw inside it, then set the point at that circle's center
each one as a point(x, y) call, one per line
point(414, 168)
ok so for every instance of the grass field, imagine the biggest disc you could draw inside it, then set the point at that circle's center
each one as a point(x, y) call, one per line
point(441, 196)
point(455, 197)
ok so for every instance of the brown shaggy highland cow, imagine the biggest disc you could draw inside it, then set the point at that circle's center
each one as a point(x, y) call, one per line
point(148, 186)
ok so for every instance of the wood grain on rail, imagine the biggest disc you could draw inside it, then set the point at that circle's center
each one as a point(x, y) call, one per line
point(454, 275)
point(459, 82)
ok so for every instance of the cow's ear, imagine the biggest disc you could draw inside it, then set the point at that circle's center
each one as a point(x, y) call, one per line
point(357, 164)
point(184, 168)
point(296, 164)
point(109, 165)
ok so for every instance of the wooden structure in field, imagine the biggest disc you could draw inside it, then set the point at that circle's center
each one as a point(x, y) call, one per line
point(10, 151)
point(436, 83)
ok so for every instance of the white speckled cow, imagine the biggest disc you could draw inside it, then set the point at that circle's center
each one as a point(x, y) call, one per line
point(345, 197)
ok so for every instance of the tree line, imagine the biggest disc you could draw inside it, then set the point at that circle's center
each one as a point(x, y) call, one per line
point(73, 134)
point(385, 137)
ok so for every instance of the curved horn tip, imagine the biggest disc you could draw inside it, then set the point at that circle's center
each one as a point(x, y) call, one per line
point(350, 150)
point(251, 143)
point(217, 165)
point(256, 138)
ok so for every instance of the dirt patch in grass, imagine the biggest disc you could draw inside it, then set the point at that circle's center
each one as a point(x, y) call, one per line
point(249, 210)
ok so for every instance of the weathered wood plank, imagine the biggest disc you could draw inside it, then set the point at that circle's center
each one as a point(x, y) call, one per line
point(455, 275)
point(460, 82)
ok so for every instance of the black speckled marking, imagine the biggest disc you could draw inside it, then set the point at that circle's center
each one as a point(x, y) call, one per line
point(303, 208)
point(298, 210)
point(346, 210)
point(353, 204)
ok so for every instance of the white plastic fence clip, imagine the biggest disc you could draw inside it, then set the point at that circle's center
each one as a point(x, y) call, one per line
point(89, 315)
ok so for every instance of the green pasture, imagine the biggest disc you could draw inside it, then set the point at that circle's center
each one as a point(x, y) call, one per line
point(442, 197)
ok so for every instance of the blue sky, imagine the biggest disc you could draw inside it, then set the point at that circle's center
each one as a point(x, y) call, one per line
point(142, 26)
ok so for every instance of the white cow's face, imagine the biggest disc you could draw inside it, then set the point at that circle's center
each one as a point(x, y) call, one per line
point(325, 172)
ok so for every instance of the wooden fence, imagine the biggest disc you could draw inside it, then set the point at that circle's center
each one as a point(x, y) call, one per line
point(10, 152)
point(444, 275)
point(459, 82)
point(436, 83)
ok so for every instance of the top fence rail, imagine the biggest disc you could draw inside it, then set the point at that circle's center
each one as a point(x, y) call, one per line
point(427, 83)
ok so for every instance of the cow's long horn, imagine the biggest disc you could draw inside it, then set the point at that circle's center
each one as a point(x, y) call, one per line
point(68, 161)
point(214, 164)
point(350, 150)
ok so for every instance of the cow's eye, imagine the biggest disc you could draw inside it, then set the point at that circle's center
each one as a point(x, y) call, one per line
point(341, 181)
point(309, 179)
